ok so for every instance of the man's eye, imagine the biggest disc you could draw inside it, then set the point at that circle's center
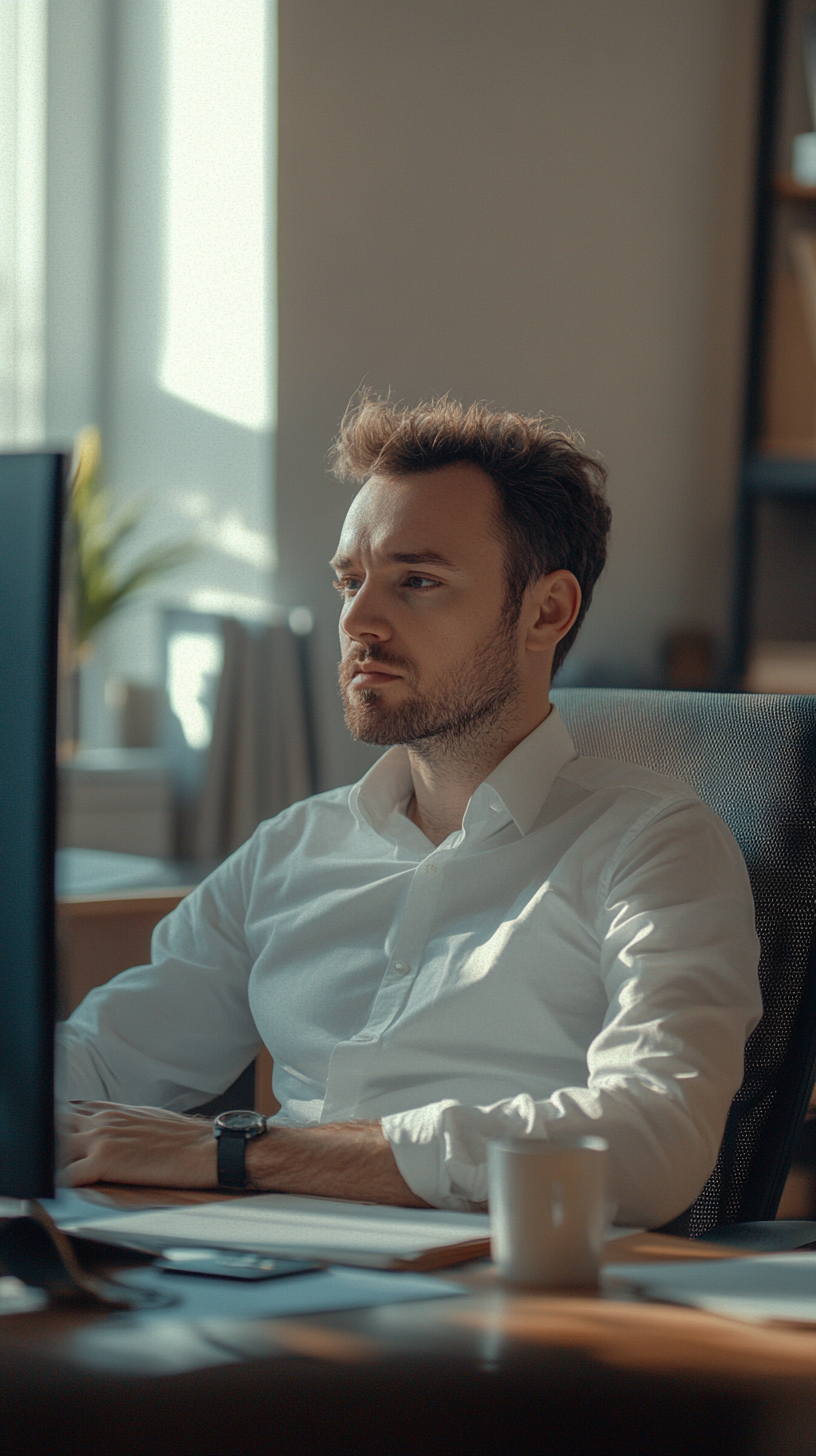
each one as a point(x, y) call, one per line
point(420, 581)
point(347, 585)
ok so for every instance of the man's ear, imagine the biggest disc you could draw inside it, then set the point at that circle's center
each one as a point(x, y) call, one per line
point(554, 603)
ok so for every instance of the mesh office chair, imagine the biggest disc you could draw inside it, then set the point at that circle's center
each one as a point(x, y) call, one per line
point(752, 758)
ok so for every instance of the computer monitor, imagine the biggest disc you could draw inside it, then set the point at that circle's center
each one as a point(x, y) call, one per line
point(32, 491)
point(32, 487)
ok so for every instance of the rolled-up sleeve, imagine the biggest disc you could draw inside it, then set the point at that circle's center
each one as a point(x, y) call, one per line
point(177, 1032)
point(678, 956)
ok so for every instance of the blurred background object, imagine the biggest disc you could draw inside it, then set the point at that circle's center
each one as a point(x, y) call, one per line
point(773, 639)
point(121, 799)
point(226, 742)
point(94, 536)
point(95, 585)
point(261, 755)
point(141, 709)
point(781, 667)
point(689, 660)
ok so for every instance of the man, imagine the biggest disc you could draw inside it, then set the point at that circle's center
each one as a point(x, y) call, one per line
point(487, 935)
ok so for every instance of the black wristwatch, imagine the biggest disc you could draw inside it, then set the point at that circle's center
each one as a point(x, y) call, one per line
point(233, 1130)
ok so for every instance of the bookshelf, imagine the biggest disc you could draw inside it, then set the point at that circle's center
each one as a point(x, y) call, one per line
point(774, 617)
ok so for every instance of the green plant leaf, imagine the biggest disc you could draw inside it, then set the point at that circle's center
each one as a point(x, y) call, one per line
point(94, 537)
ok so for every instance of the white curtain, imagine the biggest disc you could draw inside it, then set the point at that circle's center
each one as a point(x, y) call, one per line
point(259, 759)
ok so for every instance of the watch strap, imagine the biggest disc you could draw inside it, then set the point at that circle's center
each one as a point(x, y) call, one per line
point(231, 1161)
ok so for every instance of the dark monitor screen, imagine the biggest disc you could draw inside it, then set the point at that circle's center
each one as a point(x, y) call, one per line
point(31, 495)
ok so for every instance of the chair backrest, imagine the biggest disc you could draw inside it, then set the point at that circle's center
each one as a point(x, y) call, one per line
point(752, 758)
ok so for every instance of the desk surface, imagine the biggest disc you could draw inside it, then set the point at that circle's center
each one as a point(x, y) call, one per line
point(497, 1370)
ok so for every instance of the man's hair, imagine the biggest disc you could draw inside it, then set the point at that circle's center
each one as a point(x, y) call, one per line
point(552, 506)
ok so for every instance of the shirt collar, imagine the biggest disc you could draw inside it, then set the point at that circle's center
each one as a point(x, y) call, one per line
point(519, 785)
point(524, 778)
point(386, 786)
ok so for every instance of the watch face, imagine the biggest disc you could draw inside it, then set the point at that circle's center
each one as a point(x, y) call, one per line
point(240, 1121)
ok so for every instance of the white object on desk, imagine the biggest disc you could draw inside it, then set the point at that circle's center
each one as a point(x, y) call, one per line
point(766, 1287)
point(331, 1230)
point(19, 1298)
point(548, 1207)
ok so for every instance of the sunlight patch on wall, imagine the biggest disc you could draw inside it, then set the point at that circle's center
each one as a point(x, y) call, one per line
point(228, 534)
point(232, 604)
point(217, 297)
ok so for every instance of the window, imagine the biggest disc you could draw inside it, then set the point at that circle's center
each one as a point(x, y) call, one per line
point(177, 368)
point(22, 220)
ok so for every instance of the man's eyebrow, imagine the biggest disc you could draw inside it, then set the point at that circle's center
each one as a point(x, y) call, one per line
point(418, 558)
point(405, 558)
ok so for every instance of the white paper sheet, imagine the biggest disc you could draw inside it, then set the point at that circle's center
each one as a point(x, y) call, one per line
point(767, 1287)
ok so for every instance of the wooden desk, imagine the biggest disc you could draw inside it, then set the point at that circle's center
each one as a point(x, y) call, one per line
point(497, 1371)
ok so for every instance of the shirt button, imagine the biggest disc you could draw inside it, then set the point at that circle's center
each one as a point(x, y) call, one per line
point(432, 869)
point(366, 1036)
point(402, 968)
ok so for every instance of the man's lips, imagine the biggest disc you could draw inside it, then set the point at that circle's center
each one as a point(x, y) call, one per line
point(372, 675)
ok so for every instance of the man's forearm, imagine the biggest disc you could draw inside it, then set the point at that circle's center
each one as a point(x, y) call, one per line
point(104, 1142)
point(336, 1160)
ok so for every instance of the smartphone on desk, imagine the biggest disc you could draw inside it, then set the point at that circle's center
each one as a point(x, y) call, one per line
point(231, 1264)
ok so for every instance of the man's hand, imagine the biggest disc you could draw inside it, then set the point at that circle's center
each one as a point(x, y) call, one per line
point(106, 1142)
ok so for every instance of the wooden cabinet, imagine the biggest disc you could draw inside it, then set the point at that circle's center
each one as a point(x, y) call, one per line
point(100, 935)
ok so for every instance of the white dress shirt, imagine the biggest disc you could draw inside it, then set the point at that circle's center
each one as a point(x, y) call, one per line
point(579, 958)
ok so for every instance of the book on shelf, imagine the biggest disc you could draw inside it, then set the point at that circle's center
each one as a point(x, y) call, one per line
point(789, 425)
point(781, 667)
point(809, 48)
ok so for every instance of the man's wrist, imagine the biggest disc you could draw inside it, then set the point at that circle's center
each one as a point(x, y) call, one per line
point(234, 1132)
point(257, 1161)
point(205, 1150)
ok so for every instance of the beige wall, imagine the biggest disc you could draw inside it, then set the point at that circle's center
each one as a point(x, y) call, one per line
point(545, 203)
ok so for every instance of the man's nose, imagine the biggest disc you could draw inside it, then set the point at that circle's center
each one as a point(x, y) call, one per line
point(364, 618)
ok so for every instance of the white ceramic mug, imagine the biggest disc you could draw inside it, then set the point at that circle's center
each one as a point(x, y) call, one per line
point(548, 1210)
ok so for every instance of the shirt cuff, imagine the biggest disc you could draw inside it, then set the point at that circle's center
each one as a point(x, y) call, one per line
point(422, 1149)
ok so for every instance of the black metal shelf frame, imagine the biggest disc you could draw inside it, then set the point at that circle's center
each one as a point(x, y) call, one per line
point(752, 472)
point(770, 476)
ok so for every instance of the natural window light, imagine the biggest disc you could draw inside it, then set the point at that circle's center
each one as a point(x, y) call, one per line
point(194, 662)
point(22, 220)
point(216, 347)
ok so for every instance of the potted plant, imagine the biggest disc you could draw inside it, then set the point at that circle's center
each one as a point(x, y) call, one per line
point(95, 584)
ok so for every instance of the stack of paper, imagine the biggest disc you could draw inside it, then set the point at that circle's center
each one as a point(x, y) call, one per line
point(305, 1228)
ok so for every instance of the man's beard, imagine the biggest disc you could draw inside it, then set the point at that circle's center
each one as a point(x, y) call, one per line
point(476, 697)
